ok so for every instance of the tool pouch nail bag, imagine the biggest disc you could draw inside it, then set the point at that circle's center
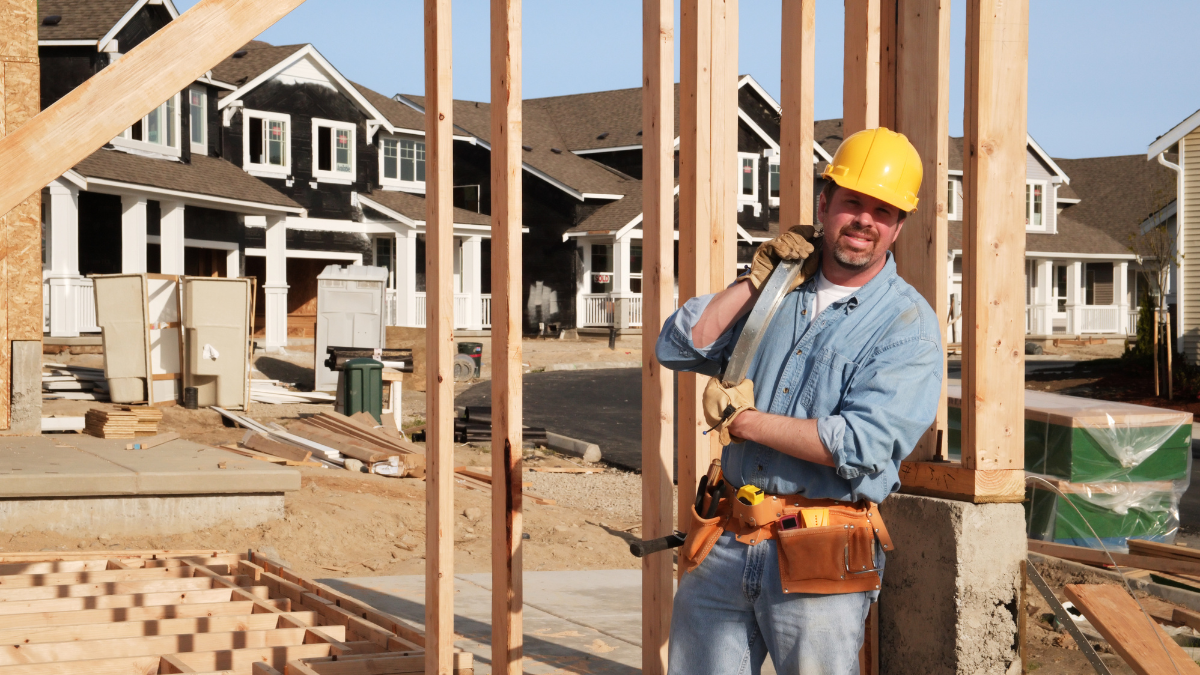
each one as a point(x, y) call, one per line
point(702, 536)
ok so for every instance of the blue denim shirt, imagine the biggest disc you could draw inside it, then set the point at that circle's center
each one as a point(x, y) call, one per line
point(868, 369)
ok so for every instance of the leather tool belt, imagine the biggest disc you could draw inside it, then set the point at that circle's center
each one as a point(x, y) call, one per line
point(838, 557)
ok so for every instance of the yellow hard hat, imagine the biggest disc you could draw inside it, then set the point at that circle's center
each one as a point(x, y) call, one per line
point(880, 163)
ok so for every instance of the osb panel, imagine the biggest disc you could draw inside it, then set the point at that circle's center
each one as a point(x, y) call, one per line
point(24, 233)
point(18, 28)
point(5, 384)
point(22, 96)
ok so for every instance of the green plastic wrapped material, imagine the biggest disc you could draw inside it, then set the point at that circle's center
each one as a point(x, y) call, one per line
point(1115, 511)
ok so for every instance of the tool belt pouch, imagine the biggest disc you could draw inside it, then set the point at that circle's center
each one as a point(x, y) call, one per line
point(701, 537)
point(838, 558)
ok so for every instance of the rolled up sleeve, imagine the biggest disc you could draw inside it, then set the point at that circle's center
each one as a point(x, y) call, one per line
point(675, 349)
point(891, 402)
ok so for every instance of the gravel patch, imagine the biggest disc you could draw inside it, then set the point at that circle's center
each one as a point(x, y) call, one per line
point(613, 492)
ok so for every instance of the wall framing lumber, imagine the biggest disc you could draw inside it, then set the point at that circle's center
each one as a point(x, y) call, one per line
point(507, 133)
point(439, 270)
point(796, 126)
point(860, 86)
point(994, 143)
point(951, 480)
point(695, 221)
point(658, 234)
point(921, 107)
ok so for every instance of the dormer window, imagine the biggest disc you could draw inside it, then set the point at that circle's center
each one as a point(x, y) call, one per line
point(265, 143)
point(333, 150)
point(402, 163)
point(157, 132)
point(1035, 206)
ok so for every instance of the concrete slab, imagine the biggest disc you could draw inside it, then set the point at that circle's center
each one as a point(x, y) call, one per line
point(78, 465)
point(574, 622)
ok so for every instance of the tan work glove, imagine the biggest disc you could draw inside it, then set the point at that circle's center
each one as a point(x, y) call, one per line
point(723, 404)
point(795, 244)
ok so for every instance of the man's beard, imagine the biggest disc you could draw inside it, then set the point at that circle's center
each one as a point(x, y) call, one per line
point(855, 260)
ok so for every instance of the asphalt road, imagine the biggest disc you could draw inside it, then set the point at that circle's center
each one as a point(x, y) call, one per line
point(598, 406)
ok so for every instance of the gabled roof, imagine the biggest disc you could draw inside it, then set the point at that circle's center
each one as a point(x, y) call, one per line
point(1166, 141)
point(90, 20)
point(412, 207)
point(402, 117)
point(258, 59)
point(579, 176)
point(204, 176)
point(580, 119)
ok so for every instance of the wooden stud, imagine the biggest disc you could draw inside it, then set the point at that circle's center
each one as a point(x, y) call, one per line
point(860, 88)
point(994, 147)
point(695, 235)
point(725, 172)
point(439, 268)
point(128, 629)
point(94, 112)
point(796, 125)
point(67, 617)
point(658, 235)
point(507, 132)
point(922, 110)
point(889, 46)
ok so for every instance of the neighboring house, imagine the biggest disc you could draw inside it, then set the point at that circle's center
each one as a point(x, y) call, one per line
point(1179, 150)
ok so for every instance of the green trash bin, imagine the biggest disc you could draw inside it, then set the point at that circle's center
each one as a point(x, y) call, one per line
point(475, 351)
point(362, 388)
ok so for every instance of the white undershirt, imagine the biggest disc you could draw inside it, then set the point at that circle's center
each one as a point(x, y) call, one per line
point(829, 293)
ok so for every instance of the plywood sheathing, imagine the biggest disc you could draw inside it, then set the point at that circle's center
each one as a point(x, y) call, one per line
point(20, 229)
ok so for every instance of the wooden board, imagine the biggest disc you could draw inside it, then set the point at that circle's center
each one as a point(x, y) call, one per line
point(439, 335)
point(658, 234)
point(922, 108)
point(951, 480)
point(860, 86)
point(1097, 557)
point(796, 124)
point(994, 152)
point(1159, 550)
point(1145, 646)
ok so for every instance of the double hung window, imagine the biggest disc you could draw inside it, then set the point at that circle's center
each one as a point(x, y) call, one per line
point(403, 162)
point(1035, 208)
point(333, 149)
point(198, 119)
point(747, 177)
point(266, 142)
point(158, 131)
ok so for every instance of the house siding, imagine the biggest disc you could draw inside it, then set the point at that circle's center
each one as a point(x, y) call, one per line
point(1190, 149)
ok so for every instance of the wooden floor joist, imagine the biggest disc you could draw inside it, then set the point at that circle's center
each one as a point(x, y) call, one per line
point(210, 613)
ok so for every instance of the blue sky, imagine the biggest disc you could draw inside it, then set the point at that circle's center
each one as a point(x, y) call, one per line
point(1105, 77)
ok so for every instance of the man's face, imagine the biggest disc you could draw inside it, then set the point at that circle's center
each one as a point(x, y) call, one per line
point(859, 229)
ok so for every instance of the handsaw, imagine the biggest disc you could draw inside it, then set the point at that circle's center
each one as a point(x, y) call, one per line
point(781, 280)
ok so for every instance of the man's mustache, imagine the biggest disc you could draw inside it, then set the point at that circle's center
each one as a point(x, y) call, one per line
point(866, 231)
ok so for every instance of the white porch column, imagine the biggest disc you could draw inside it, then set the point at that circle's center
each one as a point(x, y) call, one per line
point(1046, 303)
point(133, 234)
point(1075, 298)
point(233, 263)
point(621, 282)
point(63, 215)
point(171, 241)
point(406, 278)
point(1121, 296)
point(472, 270)
point(275, 289)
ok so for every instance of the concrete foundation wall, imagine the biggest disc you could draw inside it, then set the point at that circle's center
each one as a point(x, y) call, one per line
point(138, 515)
point(26, 411)
point(950, 589)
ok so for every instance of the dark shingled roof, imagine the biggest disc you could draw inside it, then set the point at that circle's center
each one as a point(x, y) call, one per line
point(399, 114)
point(579, 119)
point(205, 175)
point(412, 206)
point(260, 57)
point(579, 173)
point(81, 19)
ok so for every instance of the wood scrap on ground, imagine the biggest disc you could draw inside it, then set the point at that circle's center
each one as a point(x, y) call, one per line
point(478, 477)
point(152, 441)
point(1098, 558)
point(1132, 634)
point(128, 422)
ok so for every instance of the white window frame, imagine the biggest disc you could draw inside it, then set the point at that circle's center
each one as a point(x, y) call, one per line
point(201, 146)
point(953, 208)
point(417, 186)
point(1045, 226)
point(773, 167)
point(335, 176)
point(754, 162)
point(125, 140)
point(266, 170)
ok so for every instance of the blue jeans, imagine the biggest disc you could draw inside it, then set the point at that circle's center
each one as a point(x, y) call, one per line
point(731, 611)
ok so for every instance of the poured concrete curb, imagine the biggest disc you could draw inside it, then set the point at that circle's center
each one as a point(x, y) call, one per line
point(590, 452)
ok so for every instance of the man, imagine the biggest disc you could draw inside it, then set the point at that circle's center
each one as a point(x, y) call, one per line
point(845, 382)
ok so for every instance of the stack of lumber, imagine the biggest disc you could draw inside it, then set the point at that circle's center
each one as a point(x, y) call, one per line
point(275, 392)
point(76, 383)
point(127, 422)
point(475, 426)
point(1123, 466)
point(96, 612)
point(322, 453)
point(1165, 564)
point(360, 438)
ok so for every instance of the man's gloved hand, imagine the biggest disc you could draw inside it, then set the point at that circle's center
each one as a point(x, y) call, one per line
point(795, 244)
point(722, 404)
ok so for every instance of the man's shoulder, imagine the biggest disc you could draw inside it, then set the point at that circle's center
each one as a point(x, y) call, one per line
point(908, 313)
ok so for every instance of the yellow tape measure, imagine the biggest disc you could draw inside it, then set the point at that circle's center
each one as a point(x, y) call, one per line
point(750, 495)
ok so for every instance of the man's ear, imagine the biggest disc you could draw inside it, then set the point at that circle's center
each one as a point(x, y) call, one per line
point(822, 208)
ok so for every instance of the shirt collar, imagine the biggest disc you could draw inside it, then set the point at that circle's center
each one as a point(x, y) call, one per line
point(868, 291)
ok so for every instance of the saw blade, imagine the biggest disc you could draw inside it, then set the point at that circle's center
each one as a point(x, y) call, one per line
point(773, 292)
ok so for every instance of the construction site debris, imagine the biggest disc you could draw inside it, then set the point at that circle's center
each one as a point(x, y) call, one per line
point(271, 391)
point(153, 441)
point(62, 424)
point(1145, 646)
point(128, 422)
point(75, 383)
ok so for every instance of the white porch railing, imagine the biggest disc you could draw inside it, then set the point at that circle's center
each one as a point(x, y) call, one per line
point(1133, 321)
point(597, 310)
point(84, 309)
point(1099, 318)
point(462, 302)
